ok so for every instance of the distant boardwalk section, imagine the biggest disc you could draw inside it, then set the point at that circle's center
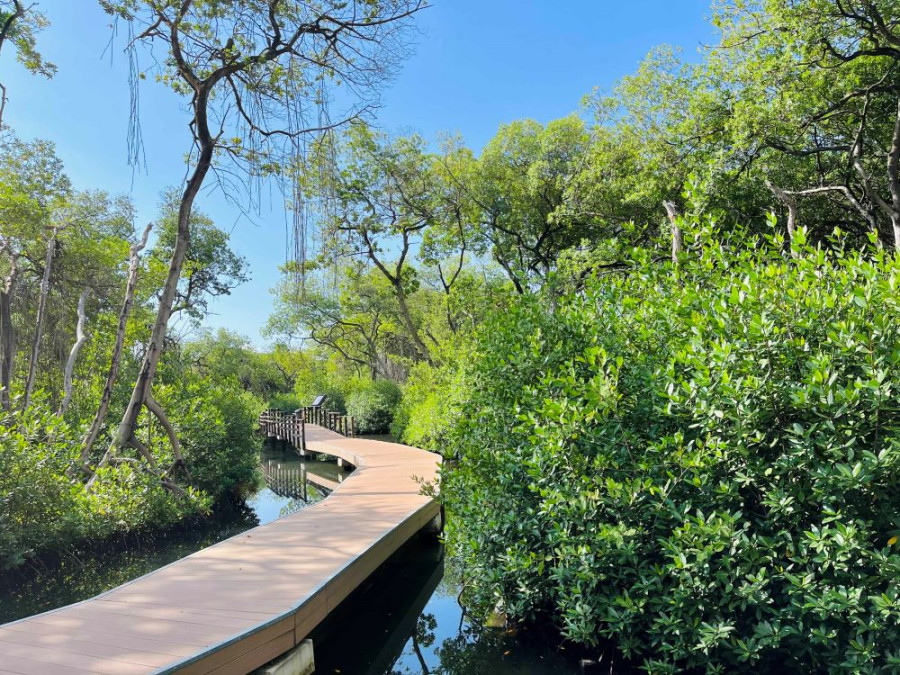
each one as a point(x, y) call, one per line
point(234, 606)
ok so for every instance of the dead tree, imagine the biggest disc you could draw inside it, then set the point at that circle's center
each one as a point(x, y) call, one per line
point(124, 313)
point(80, 339)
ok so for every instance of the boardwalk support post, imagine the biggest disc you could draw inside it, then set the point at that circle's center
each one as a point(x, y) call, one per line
point(298, 661)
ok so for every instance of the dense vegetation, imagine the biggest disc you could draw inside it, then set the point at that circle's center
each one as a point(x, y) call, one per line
point(66, 269)
point(701, 465)
point(656, 340)
point(659, 349)
point(111, 421)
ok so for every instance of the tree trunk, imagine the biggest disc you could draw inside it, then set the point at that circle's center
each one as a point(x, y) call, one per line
point(406, 316)
point(7, 337)
point(39, 321)
point(7, 330)
point(157, 411)
point(140, 394)
point(133, 268)
point(80, 339)
point(791, 205)
point(677, 236)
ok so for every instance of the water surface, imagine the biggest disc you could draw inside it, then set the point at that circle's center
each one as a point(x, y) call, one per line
point(405, 618)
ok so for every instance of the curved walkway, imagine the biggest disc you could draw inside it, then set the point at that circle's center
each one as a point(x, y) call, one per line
point(236, 605)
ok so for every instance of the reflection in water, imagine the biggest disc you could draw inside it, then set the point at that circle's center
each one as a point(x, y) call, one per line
point(81, 574)
point(406, 619)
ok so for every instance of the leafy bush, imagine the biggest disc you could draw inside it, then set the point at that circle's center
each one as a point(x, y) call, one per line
point(323, 376)
point(372, 406)
point(36, 498)
point(426, 413)
point(43, 503)
point(216, 424)
point(285, 402)
point(702, 465)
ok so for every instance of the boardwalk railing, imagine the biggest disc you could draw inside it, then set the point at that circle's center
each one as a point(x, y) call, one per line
point(291, 426)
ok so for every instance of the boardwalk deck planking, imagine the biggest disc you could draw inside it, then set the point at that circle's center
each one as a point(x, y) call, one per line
point(236, 605)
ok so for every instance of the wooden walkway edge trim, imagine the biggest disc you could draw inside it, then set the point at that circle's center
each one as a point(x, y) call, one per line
point(238, 604)
point(206, 652)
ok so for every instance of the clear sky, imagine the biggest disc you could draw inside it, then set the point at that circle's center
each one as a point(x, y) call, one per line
point(477, 64)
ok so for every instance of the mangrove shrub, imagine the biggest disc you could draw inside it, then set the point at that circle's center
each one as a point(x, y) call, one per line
point(700, 463)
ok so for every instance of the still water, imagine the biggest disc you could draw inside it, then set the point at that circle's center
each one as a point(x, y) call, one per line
point(404, 619)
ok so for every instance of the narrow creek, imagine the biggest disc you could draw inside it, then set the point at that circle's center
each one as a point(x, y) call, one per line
point(404, 619)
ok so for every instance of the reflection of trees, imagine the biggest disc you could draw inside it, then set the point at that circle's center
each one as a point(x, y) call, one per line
point(470, 651)
point(475, 650)
point(424, 636)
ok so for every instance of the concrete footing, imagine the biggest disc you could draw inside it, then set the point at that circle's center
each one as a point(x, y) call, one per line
point(298, 661)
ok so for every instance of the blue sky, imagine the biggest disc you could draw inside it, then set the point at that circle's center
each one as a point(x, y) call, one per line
point(477, 64)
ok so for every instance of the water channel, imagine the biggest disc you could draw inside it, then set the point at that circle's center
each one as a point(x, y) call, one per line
point(405, 619)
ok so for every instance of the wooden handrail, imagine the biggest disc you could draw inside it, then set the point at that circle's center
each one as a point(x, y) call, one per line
point(291, 426)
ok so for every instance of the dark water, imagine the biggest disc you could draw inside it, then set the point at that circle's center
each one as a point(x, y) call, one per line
point(403, 619)
point(406, 619)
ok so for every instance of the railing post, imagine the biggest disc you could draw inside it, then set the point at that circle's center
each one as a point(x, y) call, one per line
point(303, 434)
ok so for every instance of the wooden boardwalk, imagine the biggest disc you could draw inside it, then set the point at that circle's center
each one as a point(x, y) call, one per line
point(236, 605)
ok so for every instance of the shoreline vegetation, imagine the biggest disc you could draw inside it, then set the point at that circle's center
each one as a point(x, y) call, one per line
point(657, 342)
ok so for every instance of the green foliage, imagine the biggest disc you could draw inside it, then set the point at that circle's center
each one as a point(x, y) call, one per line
point(702, 465)
point(372, 406)
point(211, 268)
point(24, 22)
point(36, 498)
point(225, 356)
point(43, 504)
point(202, 387)
point(216, 422)
point(321, 375)
point(286, 402)
point(427, 412)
